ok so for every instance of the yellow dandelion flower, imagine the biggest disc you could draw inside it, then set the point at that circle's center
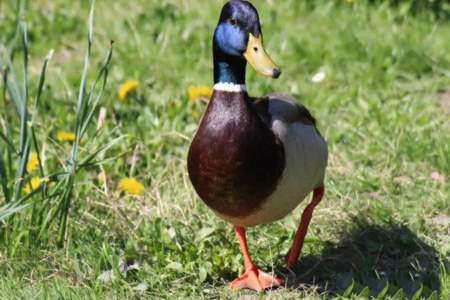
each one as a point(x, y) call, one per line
point(33, 162)
point(197, 92)
point(129, 87)
point(64, 136)
point(131, 186)
point(34, 183)
point(349, 1)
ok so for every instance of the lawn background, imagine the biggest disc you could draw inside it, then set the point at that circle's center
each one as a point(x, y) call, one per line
point(383, 228)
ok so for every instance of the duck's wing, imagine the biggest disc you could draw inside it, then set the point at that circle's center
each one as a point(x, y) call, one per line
point(306, 154)
point(285, 107)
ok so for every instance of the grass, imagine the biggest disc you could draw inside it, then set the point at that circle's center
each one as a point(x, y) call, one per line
point(383, 228)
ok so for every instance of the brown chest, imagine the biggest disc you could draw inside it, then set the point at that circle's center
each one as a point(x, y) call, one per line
point(235, 161)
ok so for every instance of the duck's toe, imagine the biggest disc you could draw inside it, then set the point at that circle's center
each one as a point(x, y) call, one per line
point(257, 280)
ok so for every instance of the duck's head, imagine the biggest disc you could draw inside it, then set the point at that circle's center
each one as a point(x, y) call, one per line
point(238, 38)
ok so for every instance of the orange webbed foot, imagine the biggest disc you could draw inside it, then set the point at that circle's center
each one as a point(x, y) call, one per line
point(257, 280)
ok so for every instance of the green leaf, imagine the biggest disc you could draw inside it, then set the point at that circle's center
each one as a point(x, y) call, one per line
point(348, 291)
point(434, 296)
point(383, 292)
point(204, 233)
point(176, 266)
point(202, 274)
point(7, 211)
point(365, 293)
point(4, 178)
point(400, 295)
point(417, 295)
point(8, 142)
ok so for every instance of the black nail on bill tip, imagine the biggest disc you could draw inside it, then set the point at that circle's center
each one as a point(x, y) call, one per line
point(276, 73)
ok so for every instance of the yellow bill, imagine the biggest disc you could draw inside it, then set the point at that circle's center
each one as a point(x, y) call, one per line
point(258, 58)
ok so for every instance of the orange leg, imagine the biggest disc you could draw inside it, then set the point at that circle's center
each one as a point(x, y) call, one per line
point(296, 249)
point(253, 278)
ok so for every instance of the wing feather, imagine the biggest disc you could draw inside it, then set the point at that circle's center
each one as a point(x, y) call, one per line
point(285, 107)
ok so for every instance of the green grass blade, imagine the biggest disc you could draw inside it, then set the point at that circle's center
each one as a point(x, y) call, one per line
point(104, 148)
point(8, 142)
point(20, 7)
point(10, 79)
point(4, 214)
point(82, 108)
point(24, 108)
point(25, 140)
point(64, 210)
point(22, 169)
point(7, 118)
point(41, 84)
point(35, 109)
point(102, 74)
point(38, 151)
point(4, 178)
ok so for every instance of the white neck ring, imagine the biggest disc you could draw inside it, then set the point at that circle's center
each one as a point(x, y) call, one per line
point(230, 87)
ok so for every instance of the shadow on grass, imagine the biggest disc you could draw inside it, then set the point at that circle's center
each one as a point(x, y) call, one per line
point(373, 260)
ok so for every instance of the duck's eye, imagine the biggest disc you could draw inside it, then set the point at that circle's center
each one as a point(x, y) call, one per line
point(233, 21)
point(255, 49)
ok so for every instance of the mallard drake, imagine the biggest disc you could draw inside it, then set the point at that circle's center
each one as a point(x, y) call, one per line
point(252, 161)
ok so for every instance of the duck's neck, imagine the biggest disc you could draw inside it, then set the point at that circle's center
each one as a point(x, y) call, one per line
point(229, 73)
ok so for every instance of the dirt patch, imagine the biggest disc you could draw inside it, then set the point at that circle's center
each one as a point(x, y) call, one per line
point(444, 101)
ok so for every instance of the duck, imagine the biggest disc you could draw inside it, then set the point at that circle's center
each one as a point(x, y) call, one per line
point(254, 160)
